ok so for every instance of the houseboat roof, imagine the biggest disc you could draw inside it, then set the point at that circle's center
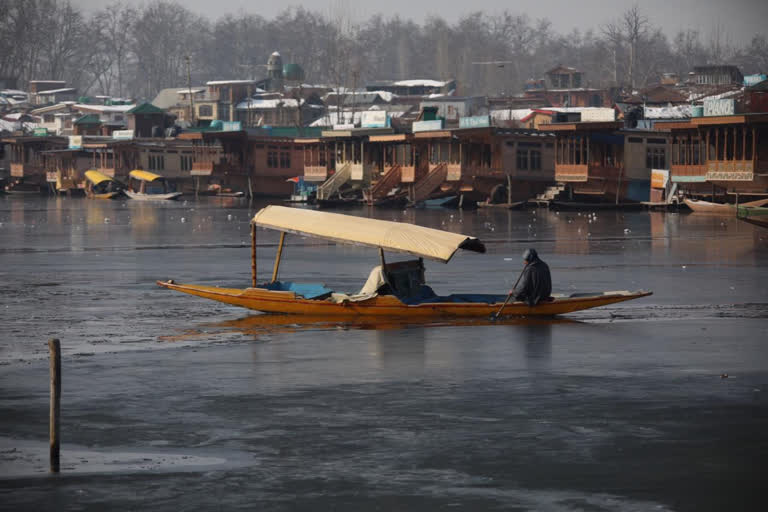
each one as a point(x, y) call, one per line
point(144, 175)
point(96, 177)
point(347, 229)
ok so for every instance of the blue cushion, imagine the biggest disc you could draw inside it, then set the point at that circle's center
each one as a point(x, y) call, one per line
point(306, 290)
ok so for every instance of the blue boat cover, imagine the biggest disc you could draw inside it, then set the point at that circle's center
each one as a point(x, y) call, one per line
point(306, 290)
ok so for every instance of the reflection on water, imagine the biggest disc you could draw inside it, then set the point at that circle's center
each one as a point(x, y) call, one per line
point(537, 339)
point(104, 257)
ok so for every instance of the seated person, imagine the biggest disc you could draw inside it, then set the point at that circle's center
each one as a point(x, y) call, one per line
point(536, 281)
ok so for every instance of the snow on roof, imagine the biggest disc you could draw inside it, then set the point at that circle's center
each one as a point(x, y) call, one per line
point(12, 92)
point(419, 82)
point(47, 81)
point(8, 126)
point(104, 108)
point(230, 82)
point(669, 112)
point(510, 114)
point(194, 90)
point(275, 54)
point(721, 96)
point(56, 91)
point(261, 103)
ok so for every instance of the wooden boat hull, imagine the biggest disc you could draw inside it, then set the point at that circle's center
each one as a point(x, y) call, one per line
point(757, 216)
point(504, 206)
point(138, 196)
point(721, 208)
point(105, 195)
point(268, 301)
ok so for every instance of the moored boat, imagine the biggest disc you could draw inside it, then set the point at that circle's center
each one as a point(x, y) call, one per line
point(101, 186)
point(700, 206)
point(152, 187)
point(756, 215)
point(395, 290)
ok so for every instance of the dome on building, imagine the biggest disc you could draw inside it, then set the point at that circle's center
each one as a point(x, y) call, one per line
point(293, 72)
point(275, 62)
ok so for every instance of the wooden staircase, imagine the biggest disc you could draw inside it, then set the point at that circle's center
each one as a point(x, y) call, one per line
point(335, 182)
point(429, 183)
point(551, 193)
point(383, 186)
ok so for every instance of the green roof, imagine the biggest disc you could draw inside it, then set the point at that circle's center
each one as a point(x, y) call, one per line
point(89, 119)
point(146, 108)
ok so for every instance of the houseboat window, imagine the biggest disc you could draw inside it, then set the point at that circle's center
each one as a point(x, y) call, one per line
point(156, 162)
point(487, 155)
point(522, 160)
point(205, 111)
point(534, 160)
point(656, 158)
point(48, 118)
point(635, 140)
point(272, 159)
point(285, 160)
point(549, 145)
point(186, 162)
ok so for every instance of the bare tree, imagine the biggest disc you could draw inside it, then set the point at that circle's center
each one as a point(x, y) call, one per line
point(614, 37)
point(635, 27)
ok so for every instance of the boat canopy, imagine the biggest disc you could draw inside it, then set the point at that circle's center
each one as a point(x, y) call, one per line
point(392, 236)
point(144, 175)
point(96, 177)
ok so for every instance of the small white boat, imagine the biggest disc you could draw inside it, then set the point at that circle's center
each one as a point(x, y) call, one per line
point(147, 191)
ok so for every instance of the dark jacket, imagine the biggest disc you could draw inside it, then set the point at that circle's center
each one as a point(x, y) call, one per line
point(536, 283)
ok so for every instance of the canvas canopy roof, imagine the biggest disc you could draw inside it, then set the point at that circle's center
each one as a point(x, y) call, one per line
point(392, 236)
point(144, 175)
point(96, 177)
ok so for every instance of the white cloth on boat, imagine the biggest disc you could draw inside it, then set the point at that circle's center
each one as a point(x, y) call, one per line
point(375, 281)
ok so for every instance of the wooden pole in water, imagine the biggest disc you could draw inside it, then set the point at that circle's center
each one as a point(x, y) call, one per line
point(279, 255)
point(253, 255)
point(54, 349)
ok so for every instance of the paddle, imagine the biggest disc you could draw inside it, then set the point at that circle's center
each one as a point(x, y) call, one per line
point(498, 313)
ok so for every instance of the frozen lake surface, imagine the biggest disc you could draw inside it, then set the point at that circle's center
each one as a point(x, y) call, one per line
point(177, 403)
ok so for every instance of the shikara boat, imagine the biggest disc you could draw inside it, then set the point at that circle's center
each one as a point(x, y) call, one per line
point(697, 205)
point(101, 186)
point(394, 290)
point(515, 205)
point(753, 215)
point(152, 187)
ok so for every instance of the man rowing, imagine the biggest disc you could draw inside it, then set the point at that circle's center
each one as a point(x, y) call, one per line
point(535, 282)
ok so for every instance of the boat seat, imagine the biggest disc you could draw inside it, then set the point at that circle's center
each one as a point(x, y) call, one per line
point(311, 291)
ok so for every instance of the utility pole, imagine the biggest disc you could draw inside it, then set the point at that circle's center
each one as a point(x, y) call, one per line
point(191, 101)
point(355, 72)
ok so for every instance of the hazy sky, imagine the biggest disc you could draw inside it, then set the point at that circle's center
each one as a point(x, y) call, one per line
point(741, 19)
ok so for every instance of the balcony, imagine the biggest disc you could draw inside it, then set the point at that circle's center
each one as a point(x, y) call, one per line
point(26, 170)
point(730, 170)
point(408, 174)
point(315, 172)
point(571, 173)
point(454, 172)
point(201, 169)
point(107, 171)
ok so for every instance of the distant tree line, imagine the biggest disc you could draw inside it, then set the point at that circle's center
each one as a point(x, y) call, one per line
point(126, 51)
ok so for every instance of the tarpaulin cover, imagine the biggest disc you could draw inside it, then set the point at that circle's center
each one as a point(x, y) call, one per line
point(144, 175)
point(96, 177)
point(392, 236)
